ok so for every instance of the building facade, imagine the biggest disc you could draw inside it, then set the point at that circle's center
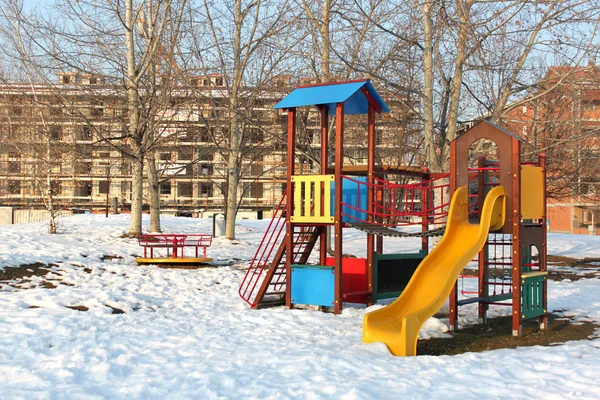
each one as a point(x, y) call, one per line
point(68, 142)
point(562, 120)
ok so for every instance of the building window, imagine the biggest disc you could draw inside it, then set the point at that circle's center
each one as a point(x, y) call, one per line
point(165, 188)
point(206, 190)
point(56, 110)
point(83, 189)
point(204, 134)
point(255, 191)
point(255, 136)
point(66, 79)
point(103, 187)
point(189, 169)
point(104, 155)
point(55, 188)
point(185, 154)
point(97, 108)
point(86, 133)
point(126, 190)
point(125, 168)
point(14, 187)
point(93, 80)
point(83, 168)
point(206, 169)
point(85, 150)
point(14, 167)
point(256, 169)
point(56, 132)
point(184, 189)
point(165, 156)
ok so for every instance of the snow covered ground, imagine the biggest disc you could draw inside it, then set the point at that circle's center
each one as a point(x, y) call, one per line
point(186, 333)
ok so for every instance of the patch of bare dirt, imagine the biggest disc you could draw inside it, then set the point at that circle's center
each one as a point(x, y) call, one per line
point(573, 268)
point(78, 308)
point(19, 277)
point(497, 334)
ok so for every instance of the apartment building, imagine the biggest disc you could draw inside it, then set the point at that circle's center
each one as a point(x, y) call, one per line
point(69, 139)
point(562, 120)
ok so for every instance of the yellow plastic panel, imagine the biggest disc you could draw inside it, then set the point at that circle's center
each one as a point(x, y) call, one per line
point(398, 324)
point(532, 192)
point(307, 192)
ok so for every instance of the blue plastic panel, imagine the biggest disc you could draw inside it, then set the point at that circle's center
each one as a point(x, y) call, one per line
point(312, 284)
point(353, 197)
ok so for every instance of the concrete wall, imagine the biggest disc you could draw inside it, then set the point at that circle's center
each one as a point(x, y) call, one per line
point(9, 215)
point(6, 215)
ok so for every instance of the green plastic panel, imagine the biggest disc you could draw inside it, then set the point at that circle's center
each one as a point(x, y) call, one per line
point(532, 292)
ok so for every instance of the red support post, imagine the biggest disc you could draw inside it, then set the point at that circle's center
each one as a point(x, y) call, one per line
point(483, 254)
point(379, 200)
point(424, 208)
point(543, 250)
point(453, 300)
point(370, 202)
point(291, 156)
point(324, 163)
point(515, 211)
point(339, 162)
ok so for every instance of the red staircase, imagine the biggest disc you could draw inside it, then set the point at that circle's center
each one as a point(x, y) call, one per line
point(265, 282)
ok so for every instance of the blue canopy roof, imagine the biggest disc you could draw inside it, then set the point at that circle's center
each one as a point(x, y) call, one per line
point(349, 93)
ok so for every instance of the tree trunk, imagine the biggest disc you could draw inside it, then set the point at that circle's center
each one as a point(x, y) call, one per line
point(463, 10)
point(233, 173)
point(50, 201)
point(326, 11)
point(137, 176)
point(153, 194)
point(135, 224)
point(430, 156)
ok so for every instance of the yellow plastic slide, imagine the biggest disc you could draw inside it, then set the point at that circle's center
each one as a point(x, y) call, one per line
point(398, 324)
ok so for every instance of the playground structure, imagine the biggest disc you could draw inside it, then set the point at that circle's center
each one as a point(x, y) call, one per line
point(507, 232)
point(169, 248)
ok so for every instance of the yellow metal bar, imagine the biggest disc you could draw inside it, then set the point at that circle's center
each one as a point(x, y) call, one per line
point(327, 202)
point(533, 274)
point(318, 199)
point(307, 198)
point(297, 196)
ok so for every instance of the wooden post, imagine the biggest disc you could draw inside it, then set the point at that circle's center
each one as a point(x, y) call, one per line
point(339, 162)
point(482, 259)
point(424, 209)
point(543, 250)
point(370, 202)
point(453, 300)
point(515, 211)
point(291, 156)
point(379, 200)
point(324, 163)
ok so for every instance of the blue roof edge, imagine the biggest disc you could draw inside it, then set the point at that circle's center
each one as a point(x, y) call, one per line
point(303, 96)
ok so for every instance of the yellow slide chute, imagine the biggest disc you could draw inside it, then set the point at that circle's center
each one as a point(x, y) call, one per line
point(398, 324)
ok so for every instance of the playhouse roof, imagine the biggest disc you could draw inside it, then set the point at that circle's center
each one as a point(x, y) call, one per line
point(354, 94)
point(498, 127)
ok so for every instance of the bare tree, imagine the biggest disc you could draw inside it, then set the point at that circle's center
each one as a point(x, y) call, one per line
point(122, 43)
point(245, 57)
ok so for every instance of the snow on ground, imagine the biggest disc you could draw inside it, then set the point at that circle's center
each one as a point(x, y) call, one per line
point(186, 333)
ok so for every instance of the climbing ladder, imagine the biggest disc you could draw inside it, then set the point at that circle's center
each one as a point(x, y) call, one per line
point(265, 282)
